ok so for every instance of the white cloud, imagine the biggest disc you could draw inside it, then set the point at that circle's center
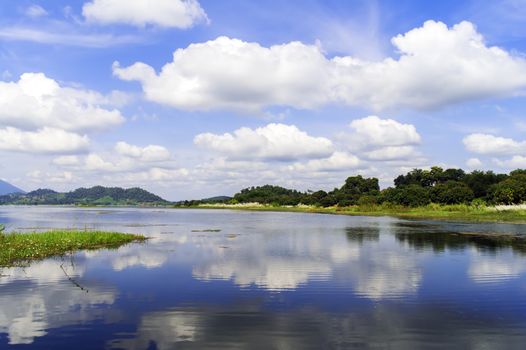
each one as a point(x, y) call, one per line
point(150, 153)
point(392, 153)
point(512, 163)
point(379, 139)
point(373, 131)
point(473, 163)
point(338, 161)
point(95, 162)
point(35, 11)
point(45, 140)
point(36, 101)
point(437, 66)
point(163, 13)
point(271, 142)
point(40, 177)
point(156, 174)
point(493, 145)
point(135, 165)
point(66, 160)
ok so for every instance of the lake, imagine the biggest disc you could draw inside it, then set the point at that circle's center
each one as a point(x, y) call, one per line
point(265, 280)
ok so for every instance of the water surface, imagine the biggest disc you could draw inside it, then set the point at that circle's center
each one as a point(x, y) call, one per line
point(263, 280)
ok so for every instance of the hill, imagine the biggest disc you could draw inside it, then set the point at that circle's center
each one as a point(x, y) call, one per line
point(7, 188)
point(97, 195)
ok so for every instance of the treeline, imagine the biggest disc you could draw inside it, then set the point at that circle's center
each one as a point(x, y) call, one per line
point(416, 188)
point(97, 195)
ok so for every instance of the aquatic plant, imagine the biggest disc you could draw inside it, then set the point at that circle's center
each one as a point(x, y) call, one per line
point(21, 248)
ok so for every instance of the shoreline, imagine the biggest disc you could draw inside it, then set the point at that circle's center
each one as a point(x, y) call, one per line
point(433, 212)
point(456, 213)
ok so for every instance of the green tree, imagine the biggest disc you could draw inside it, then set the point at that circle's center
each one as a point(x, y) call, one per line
point(452, 192)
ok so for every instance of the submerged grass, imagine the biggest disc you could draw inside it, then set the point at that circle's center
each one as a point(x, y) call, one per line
point(457, 212)
point(22, 248)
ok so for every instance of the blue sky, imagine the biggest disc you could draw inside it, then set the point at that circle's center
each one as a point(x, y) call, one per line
point(295, 93)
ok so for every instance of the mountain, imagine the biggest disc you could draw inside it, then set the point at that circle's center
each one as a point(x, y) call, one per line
point(97, 195)
point(218, 199)
point(7, 188)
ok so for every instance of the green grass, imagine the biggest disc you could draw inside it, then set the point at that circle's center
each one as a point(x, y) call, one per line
point(458, 212)
point(22, 248)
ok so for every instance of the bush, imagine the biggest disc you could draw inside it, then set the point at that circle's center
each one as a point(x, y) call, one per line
point(410, 195)
point(452, 192)
point(509, 191)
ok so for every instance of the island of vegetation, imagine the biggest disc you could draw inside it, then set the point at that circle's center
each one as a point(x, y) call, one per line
point(434, 193)
point(19, 249)
point(97, 195)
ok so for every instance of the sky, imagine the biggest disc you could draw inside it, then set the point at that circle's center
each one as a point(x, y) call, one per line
point(197, 98)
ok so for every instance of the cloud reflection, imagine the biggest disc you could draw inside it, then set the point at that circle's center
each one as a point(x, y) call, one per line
point(50, 300)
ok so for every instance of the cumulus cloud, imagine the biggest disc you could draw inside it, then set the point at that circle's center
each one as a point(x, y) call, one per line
point(378, 139)
point(41, 177)
point(45, 140)
point(36, 101)
point(163, 13)
point(134, 164)
point(66, 160)
point(512, 163)
point(493, 145)
point(392, 153)
point(338, 161)
point(473, 163)
point(374, 131)
point(271, 142)
point(150, 153)
point(437, 66)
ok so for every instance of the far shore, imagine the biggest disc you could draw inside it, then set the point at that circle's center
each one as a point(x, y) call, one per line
point(460, 212)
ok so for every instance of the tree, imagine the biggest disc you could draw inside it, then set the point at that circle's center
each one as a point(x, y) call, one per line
point(480, 182)
point(510, 191)
point(410, 195)
point(452, 192)
point(354, 188)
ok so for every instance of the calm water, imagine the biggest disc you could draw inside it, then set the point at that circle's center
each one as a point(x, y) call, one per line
point(265, 281)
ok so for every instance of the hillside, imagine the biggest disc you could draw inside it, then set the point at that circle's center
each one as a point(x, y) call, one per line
point(97, 195)
point(7, 188)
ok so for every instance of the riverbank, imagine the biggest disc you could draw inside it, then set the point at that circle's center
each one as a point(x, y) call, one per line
point(460, 212)
point(22, 248)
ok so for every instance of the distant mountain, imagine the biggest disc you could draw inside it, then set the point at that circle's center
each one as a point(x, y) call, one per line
point(7, 188)
point(218, 199)
point(97, 195)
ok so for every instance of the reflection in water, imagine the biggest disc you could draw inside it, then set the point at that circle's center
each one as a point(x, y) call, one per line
point(439, 241)
point(384, 326)
point(48, 300)
point(164, 329)
point(266, 280)
point(495, 268)
point(361, 234)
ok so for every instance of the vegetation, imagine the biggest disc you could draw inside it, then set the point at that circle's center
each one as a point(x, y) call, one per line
point(415, 189)
point(434, 193)
point(22, 248)
point(97, 195)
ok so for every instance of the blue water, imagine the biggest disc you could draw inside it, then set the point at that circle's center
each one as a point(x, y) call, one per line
point(265, 281)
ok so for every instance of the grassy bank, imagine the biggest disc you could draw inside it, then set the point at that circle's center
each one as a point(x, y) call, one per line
point(460, 212)
point(21, 248)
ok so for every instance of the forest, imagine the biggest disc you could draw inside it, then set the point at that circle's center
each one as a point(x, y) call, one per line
point(418, 187)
